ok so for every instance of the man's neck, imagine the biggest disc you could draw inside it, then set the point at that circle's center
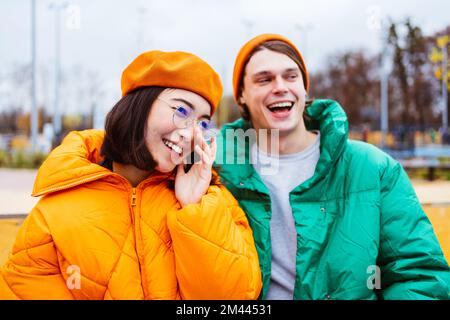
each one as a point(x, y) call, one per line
point(289, 142)
point(130, 172)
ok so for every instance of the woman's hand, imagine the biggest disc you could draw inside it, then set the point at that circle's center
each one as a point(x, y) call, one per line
point(192, 185)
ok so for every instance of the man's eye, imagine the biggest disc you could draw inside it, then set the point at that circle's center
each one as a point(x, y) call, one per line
point(263, 80)
point(293, 76)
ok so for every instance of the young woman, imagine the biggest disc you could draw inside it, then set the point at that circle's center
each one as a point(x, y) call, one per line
point(122, 217)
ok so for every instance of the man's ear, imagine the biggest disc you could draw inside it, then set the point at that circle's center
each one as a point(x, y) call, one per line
point(241, 100)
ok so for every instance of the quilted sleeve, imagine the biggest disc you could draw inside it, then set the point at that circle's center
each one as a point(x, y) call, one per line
point(32, 270)
point(215, 255)
point(411, 260)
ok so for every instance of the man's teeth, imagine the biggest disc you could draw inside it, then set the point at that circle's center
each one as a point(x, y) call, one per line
point(174, 147)
point(281, 105)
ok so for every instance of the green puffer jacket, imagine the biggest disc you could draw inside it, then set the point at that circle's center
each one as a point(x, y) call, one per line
point(356, 216)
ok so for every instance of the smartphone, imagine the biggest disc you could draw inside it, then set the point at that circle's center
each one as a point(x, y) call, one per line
point(191, 159)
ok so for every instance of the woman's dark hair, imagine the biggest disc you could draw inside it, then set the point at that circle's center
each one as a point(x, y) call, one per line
point(125, 129)
point(276, 46)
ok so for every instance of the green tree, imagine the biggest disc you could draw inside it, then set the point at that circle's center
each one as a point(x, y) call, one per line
point(413, 90)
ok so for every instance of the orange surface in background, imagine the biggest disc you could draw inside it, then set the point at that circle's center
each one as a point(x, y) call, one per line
point(439, 217)
point(8, 232)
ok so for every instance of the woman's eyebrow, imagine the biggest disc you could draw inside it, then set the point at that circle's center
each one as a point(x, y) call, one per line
point(185, 102)
point(207, 116)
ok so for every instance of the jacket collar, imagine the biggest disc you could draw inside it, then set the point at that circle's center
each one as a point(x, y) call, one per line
point(75, 162)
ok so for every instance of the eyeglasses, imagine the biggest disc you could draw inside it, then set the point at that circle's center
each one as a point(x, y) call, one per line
point(183, 117)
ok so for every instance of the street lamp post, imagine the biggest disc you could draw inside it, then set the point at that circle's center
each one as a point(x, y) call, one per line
point(34, 115)
point(384, 79)
point(384, 87)
point(444, 89)
point(378, 25)
point(57, 113)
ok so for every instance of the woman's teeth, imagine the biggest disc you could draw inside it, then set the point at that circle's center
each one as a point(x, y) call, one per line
point(172, 146)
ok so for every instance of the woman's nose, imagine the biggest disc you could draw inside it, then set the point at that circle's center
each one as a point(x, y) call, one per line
point(187, 133)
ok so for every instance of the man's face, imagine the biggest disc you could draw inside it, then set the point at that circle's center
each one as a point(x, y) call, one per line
point(274, 92)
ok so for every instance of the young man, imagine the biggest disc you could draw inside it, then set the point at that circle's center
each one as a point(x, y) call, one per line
point(332, 218)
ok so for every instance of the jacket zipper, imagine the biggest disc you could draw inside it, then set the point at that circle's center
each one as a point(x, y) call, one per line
point(133, 197)
point(133, 204)
point(138, 239)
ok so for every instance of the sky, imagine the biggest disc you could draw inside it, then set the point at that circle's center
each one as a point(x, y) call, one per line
point(99, 38)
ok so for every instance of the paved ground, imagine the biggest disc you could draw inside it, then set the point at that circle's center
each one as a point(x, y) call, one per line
point(436, 192)
point(15, 191)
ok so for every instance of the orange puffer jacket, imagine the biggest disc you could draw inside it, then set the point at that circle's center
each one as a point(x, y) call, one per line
point(94, 236)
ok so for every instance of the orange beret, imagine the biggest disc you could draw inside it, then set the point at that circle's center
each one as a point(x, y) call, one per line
point(178, 69)
point(248, 48)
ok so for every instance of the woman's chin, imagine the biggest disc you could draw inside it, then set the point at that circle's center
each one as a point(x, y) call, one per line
point(166, 167)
